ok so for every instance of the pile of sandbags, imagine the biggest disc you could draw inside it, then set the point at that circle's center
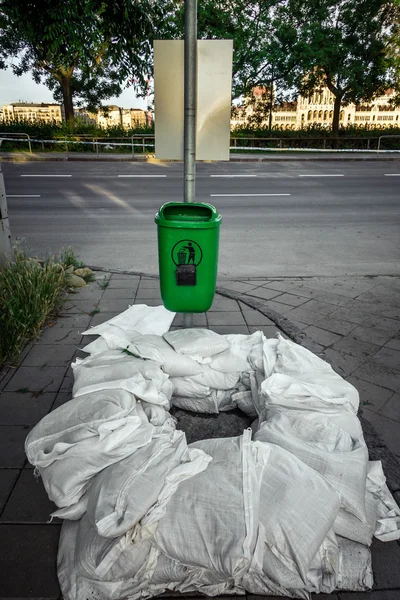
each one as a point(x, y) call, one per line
point(288, 508)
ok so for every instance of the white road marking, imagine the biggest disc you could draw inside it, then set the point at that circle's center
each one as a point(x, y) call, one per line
point(142, 176)
point(23, 195)
point(229, 195)
point(392, 174)
point(228, 176)
point(328, 175)
point(45, 175)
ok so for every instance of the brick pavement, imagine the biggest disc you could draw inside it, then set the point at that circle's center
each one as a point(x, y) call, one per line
point(353, 322)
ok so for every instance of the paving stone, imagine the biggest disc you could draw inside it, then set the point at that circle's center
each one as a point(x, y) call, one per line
point(329, 298)
point(100, 318)
point(79, 306)
point(129, 283)
point(71, 321)
point(387, 429)
point(149, 301)
point(321, 336)
point(279, 308)
point(225, 318)
point(199, 320)
point(299, 324)
point(12, 439)
point(126, 276)
point(385, 561)
point(264, 293)
point(28, 556)
point(51, 355)
point(370, 334)
point(150, 283)
point(314, 347)
point(380, 375)
point(393, 344)
point(90, 292)
point(336, 325)
point(118, 293)
point(225, 329)
point(391, 409)
point(66, 385)
point(237, 286)
point(372, 396)
point(221, 303)
point(8, 477)
point(347, 364)
point(286, 285)
point(34, 379)
point(322, 308)
point(349, 313)
point(375, 595)
point(55, 335)
point(147, 293)
point(305, 316)
point(24, 409)
point(388, 358)
point(291, 299)
point(62, 398)
point(117, 305)
point(254, 317)
point(28, 502)
point(350, 345)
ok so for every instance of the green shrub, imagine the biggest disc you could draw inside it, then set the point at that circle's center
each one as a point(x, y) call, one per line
point(29, 293)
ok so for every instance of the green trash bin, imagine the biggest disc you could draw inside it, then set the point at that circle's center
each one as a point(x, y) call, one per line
point(188, 238)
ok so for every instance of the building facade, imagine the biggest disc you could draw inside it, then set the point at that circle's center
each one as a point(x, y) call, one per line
point(29, 111)
point(318, 109)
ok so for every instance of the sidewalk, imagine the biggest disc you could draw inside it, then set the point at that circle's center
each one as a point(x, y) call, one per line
point(234, 157)
point(354, 323)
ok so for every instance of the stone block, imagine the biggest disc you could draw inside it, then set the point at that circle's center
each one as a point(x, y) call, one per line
point(254, 317)
point(119, 293)
point(150, 284)
point(129, 283)
point(305, 316)
point(291, 299)
point(383, 323)
point(34, 379)
point(380, 375)
point(237, 286)
point(278, 307)
point(101, 317)
point(370, 334)
point(28, 557)
point(391, 409)
point(387, 429)
point(53, 335)
point(81, 306)
point(8, 477)
point(221, 303)
point(12, 440)
point(225, 329)
point(336, 326)
point(354, 347)
point(50, 355)
point(225, 318)
point(18, 408)
point(28, 502)
point(344, 363)
point(321, 336)
point(147, 293)
point(116, 305)
point(388, 358)
point(264, 293)
point(372, 396)
point(350, 313)
point(67, 322)
point(393, 344)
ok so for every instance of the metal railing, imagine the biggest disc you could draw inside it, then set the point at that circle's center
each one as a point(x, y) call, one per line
point(237, 143)
point(385, 136)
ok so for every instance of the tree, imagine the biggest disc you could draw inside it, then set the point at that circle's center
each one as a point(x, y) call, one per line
point(342, 44)
point(81, 49)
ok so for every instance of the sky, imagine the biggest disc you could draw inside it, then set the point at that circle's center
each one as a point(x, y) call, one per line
point(24, 89)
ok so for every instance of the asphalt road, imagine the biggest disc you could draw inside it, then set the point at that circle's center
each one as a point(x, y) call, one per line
point(290, 218)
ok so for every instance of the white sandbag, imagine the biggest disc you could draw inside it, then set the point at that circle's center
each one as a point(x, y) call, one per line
point(73, 512)
point(355, 568)
point(317, 441)
point(199, 537)
point(96, 347)
point(293, 359)
point(157, 415)
point(234, 359)
point(206, 404)
point(69, 446)
point(297, 509)
point(139, 318)
point(216, 380)
point(196, 342)
point(268, 357)
point(123, 493)
point(244, 401)
point(388, 511)
point(114, 369)
point(186, 387)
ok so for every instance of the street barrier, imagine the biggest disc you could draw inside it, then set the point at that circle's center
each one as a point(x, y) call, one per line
point(385, 136)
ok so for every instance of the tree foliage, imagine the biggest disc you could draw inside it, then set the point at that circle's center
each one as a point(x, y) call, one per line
point(81, 49)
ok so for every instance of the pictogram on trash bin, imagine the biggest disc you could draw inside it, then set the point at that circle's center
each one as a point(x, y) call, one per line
point(182, 257)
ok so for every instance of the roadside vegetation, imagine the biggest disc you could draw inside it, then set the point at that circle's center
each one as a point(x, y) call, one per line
point(31, 293)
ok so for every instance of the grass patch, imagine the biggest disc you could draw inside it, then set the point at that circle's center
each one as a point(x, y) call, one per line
point(68, 259)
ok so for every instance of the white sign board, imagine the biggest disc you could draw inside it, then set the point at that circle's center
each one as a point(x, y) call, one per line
point(214, 90)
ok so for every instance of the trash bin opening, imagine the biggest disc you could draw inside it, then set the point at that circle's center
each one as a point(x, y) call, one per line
point(186, 212)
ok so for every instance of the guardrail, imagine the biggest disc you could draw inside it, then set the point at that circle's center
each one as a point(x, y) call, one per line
point(146, 142)
point(385, 136)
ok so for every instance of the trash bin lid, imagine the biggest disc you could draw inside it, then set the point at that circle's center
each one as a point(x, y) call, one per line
point(187, 215)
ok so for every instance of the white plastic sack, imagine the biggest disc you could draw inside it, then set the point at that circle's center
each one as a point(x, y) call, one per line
point(319, 443)
point(114, 369)
point(139, 318)
point(216, 380)
point(80, 438)
point(196, 342)
point(123, 492)
point(186, 387)
point(355, 570)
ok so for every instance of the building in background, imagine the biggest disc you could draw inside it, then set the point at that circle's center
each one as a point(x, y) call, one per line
point(128, 118)
point(29, 111)
point(318, 109)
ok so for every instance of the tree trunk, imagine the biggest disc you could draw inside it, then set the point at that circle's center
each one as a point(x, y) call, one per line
point(65, 82)
point(336, 119)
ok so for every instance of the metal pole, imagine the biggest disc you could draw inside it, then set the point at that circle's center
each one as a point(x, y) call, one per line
point(6, 250)
point(189, 126)
point(189, 142)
